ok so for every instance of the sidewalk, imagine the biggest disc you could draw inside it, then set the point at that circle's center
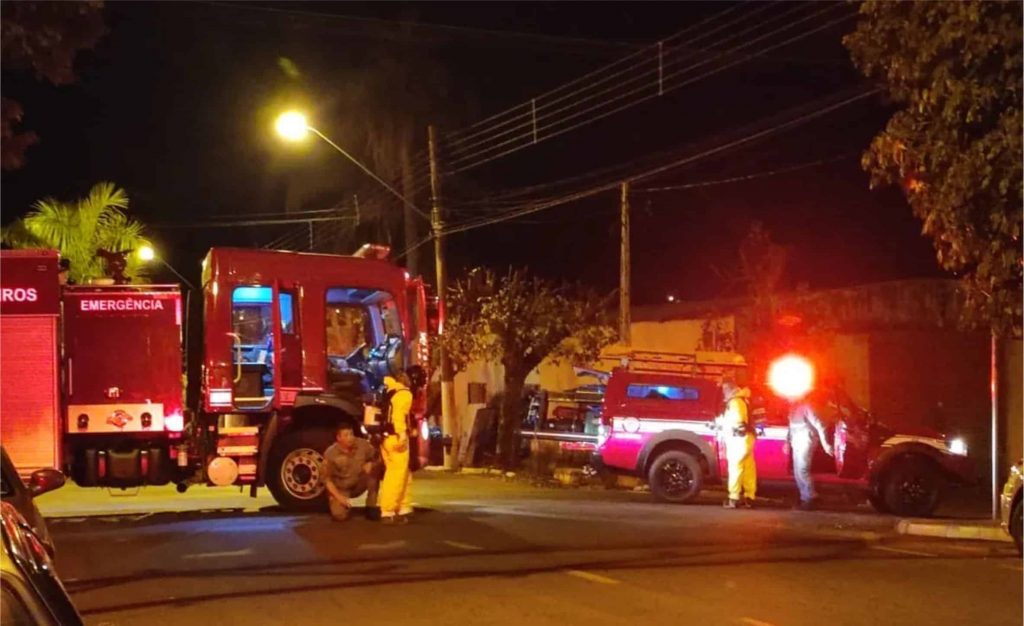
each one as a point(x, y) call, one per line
point(74, 501)
point(984, 530)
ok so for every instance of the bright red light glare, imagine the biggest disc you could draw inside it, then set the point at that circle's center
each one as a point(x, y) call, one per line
point(791, 376)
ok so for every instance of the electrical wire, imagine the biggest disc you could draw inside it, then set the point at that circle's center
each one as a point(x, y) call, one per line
point(460, 165)
point(534, 109)
point(452, 135)
point(737, 179)
point(535, 207)
point(553, 40)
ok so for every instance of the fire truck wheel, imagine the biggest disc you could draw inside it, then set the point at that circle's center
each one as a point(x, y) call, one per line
point(675, 476)
point(294, 473)
point(912, 487)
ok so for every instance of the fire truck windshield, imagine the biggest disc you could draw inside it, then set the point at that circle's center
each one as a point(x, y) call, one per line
point(364, 334)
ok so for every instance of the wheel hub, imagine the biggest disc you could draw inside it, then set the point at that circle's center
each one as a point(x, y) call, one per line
point(676, 478)
point(301, 475)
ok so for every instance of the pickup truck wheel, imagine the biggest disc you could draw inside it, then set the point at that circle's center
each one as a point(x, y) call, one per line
point(1017, 524)
point(294, 469)
point(878, 502)
point(912, 488)
point(675, 476)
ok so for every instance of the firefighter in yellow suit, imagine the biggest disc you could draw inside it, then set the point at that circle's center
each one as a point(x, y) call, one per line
point(739, 446)
point(395, 495)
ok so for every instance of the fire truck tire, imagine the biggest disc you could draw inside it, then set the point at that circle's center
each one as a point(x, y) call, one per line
point(675, 476)
point(294, 474)
point(912, 487)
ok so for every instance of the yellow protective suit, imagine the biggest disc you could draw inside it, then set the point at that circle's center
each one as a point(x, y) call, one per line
point(739, 449)
point(395, 494)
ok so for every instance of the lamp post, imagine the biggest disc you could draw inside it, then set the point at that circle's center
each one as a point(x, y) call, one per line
point(293, 126)
point(147, 254)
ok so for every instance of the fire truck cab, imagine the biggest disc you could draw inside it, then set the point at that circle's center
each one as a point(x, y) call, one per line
point(293, 343)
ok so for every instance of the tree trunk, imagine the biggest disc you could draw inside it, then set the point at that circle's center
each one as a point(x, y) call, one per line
point(511, 409)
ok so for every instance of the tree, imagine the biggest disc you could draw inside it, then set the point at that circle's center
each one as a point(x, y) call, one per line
point(954, 71)
point(43, 37)
point(79, 228)
point(520, 320)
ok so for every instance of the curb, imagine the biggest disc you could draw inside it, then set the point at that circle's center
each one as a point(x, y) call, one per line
point(974, 531)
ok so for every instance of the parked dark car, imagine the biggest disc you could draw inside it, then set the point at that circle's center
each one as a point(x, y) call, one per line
point(21, 496)
point(32, 593)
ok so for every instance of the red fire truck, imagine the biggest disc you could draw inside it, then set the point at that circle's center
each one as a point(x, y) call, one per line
point(292, 345)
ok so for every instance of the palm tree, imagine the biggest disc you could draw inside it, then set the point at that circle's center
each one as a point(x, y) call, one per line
point(79, 228)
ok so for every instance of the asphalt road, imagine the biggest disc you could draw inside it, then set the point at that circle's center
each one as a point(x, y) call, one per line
point(485, 551)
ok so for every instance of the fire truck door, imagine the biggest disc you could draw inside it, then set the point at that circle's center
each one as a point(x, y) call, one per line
point(253, 326)
point(418, 324)
point(289, 354)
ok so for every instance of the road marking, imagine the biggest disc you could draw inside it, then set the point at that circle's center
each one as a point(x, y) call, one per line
point(391, 545)
point(1015, 568)
point(594, 578)
point(750, 621)
point(217, 555)
point(462, 546)
point(902, 551)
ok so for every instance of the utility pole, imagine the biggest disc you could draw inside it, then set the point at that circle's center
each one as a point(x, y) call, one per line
point(624, 316)
point(449, 422)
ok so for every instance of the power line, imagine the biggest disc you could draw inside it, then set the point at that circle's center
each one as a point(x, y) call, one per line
point(535, 107)
point(655, 89)
point(255, 222)
point(737, 179)
point(655, 83)
point(536, 207)
point(585, 79)
point(481, 33)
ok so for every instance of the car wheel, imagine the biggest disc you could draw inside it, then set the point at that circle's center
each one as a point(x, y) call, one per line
point(675, 476)
point(294, 469)
point(1016, 524)
point(912, 488)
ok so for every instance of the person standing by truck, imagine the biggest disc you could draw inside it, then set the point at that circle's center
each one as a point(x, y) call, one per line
point(804, 428)
point(739, 446)
point(395, 496)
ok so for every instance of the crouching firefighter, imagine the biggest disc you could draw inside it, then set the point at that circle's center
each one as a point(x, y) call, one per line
point(351, 467)
point(739, 446)
point(398, 447)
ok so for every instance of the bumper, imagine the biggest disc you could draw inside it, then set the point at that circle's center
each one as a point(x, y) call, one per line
point(1005, 502)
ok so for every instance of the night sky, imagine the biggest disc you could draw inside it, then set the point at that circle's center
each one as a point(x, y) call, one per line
point(176, 105)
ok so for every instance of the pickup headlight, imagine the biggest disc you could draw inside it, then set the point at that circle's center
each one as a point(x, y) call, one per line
point(957, 446)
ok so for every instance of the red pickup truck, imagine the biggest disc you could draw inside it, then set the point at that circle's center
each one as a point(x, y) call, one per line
point(659, 425)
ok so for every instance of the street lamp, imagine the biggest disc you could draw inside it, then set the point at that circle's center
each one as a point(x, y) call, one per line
point(292, 126)
point(147, 253)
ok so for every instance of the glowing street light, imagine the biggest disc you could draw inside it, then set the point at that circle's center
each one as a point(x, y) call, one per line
point(147, 253)
point(292, 126)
